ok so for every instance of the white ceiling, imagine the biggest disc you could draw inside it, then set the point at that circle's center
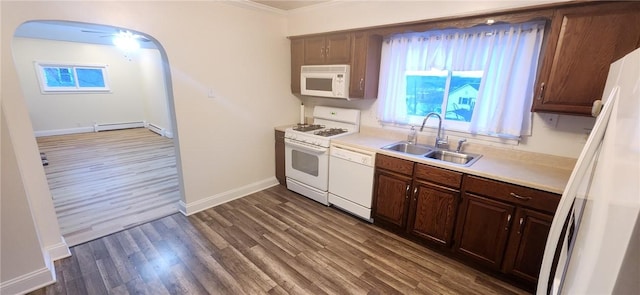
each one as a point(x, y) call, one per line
point(100, 34)
point(289, 5)
point(75, 32)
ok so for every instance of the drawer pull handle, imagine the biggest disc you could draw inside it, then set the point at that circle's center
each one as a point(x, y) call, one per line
point(541, 93)
point(520, 197)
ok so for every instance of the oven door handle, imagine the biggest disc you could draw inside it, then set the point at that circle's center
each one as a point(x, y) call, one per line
point(306, 146)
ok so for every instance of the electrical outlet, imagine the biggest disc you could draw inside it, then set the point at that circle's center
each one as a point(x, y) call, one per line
point(211, 93)
point(550, 120)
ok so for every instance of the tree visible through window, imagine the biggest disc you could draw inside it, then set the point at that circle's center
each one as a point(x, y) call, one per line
point(66, 78)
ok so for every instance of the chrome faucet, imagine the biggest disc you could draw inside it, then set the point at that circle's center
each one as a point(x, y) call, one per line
point(439, 140)
point(460, 142)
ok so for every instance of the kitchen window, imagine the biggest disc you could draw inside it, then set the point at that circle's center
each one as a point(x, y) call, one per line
point(72, 78)
point(480, 79)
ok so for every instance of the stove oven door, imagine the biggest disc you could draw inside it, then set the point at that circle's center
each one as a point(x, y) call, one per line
point(307, 164)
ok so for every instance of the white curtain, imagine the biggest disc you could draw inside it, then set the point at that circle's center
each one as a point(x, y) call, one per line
point(508, 55)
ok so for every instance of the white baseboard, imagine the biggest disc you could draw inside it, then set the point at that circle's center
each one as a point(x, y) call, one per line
point(59, 250)
point(29, 282)
point(159, 130)
point(221, 198)
point(52, 132)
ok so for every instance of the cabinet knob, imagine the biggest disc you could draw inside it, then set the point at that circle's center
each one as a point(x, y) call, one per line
point(322, 51)
point(361, 83)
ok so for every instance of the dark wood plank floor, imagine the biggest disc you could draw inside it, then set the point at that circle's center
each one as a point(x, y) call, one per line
point(270, 242)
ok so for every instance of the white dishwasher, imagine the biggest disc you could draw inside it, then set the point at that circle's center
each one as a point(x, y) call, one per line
point(351, 179)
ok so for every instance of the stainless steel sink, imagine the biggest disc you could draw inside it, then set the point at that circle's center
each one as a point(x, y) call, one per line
point(407, 148)
point(428, 152)
point(463, 159)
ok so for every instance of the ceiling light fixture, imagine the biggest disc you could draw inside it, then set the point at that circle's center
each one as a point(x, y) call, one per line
point(126, 41)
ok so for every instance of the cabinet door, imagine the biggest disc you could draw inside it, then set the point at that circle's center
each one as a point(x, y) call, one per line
point(297, 60)
point(280, 165)
point(391, 200)
point(433, 211)
point(365, 65)
point(338, 49)
point(526, 244)
point(583, 42)
point(314, 50)
point(483, 228)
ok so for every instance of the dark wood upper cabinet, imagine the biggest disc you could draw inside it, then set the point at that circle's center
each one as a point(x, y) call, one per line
point(297, 60)
point(582, 43)
point(365, 65)
point(328, 49)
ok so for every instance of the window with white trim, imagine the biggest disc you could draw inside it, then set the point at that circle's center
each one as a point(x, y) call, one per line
point(72, 78)
point(480, 79)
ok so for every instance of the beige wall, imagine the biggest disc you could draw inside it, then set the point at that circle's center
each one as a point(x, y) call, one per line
point(21, 253)
point(127, 101)
point(564, 139)
point(225, 143)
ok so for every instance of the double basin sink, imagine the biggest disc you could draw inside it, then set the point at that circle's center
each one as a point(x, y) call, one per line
point(428, 152)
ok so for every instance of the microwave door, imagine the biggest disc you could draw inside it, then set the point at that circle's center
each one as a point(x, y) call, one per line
point(317, 84)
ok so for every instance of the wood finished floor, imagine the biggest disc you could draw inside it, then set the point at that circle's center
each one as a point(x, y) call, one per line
point(270, 242)
point(108, 181)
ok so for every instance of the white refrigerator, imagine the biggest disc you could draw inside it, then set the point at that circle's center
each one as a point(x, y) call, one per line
point(593, 245)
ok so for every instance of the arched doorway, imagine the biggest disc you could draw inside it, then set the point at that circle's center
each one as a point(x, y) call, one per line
point(103, 117)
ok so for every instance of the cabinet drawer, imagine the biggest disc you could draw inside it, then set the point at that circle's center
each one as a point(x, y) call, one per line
point(394, 164)
point(515, 194)
point(438, 175)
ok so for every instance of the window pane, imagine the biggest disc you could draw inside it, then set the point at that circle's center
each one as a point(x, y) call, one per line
point(463, 91)
point(90, 77)
point(425, 93)
point(58, 77)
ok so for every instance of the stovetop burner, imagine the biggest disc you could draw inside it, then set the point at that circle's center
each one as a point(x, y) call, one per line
point(307, 127)
point(330, 132)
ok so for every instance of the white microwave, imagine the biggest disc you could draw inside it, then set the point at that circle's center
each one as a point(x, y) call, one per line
point(325, 80)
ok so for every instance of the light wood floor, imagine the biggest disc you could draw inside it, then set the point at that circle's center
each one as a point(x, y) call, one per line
point(270, 242)
point(108, 181)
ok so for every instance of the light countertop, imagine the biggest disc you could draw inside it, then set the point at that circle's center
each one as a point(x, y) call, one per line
point(539, 171)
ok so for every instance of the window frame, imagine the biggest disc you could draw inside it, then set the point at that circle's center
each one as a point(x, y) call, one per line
point(77, 88)
point(455, 125)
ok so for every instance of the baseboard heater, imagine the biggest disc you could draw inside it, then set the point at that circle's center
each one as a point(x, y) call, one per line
point(157, 129)
point(116, 126)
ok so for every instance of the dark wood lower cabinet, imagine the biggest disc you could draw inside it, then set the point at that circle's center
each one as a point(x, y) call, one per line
point(392, 201)
point(280, 162)
point(495, 226)
point(528, 238)
point(433, 213)
point(483, 230)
